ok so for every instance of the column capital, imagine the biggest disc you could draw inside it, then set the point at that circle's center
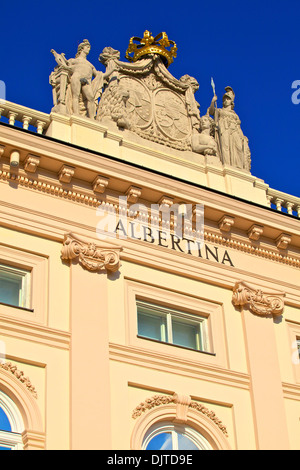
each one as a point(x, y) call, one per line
point(91, 257)
point(259, 302)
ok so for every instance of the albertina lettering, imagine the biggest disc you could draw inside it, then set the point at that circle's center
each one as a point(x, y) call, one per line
point(173, 242)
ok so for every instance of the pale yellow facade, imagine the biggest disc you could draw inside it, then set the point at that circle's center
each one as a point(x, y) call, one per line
point(94, 382)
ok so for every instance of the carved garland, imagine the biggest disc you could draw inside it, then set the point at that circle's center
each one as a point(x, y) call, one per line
point(90, 256)
point(20, 376)
point(258, 302)
point(158, 400)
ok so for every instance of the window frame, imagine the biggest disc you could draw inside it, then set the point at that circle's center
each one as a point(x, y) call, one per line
point(37, 265)
point(11, 439)
point(186, 300)
point(187, 318)
point(25, 292)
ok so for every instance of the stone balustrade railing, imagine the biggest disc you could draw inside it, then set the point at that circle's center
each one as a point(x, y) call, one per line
point(284, 202)
point(26, 116)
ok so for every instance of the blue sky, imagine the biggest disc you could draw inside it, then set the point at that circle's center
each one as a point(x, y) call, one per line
point(252, 46)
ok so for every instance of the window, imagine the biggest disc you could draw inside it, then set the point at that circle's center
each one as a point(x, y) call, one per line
point(172, 326)
point(168, 436)
point(11, 425)
point(14, 286)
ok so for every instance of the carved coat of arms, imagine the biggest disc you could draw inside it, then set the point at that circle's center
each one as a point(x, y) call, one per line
point(142, 96)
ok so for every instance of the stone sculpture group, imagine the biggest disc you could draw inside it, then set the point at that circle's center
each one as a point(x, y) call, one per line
point(143, 97)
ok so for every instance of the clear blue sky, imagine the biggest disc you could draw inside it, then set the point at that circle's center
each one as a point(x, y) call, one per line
point(252, 46)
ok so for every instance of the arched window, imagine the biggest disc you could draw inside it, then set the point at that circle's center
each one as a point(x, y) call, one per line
point(170, 436)
point(11, 424)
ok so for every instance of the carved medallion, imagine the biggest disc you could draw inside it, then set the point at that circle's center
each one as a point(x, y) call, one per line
point(171, 114)
point(138, 105)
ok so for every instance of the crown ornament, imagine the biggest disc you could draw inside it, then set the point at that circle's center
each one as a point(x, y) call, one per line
point(160, 44)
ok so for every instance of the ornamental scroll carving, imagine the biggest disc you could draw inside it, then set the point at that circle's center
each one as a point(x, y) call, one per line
point(93, 258)
point(258, 302)
point(19, 375)
point(159, 400)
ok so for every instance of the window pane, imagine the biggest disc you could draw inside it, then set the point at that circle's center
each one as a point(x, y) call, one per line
point(162, 441)
point(184, 443)
point(185, 334)
point(10, 290)
point(5, 448)
point(4, 422)
point(152, 326)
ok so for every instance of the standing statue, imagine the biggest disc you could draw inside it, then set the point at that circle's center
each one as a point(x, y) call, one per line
point(234, 148)
point(76, 82)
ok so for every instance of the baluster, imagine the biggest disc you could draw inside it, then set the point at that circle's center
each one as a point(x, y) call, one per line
point(289, 206)
point(12, 117)
point(279, 203)
point(26, 120)
point(270, 199)
point(40, 126)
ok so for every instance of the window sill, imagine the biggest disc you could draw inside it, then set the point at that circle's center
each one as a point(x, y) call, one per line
point(19, 308)
point(176, 345)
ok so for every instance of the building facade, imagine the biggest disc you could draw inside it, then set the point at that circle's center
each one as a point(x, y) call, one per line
point(149, 283)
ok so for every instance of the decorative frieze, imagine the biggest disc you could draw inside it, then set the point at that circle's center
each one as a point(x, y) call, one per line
point(258, 301)
point(183, 404)
point(93, 258)
point(19, 375)
point(87, 197)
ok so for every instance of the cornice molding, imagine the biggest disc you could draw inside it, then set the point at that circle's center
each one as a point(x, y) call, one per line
point(184, 367)
point(273, 255)
point(259, 302)
point(91, 257)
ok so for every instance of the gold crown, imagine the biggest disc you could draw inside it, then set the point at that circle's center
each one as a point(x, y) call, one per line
point(150, 45)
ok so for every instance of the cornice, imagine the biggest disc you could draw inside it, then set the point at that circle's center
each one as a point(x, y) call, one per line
point(86, 197)
point(70, 154)
point(291, 391)
point(34, 333)
point(173, 364)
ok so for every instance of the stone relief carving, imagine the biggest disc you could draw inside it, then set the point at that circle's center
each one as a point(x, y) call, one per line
point(19, 375)
point(233, 145)
point(258, 302)
point(182, 402)
point(143, 97)
point(90, 256)
point(203, 140)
